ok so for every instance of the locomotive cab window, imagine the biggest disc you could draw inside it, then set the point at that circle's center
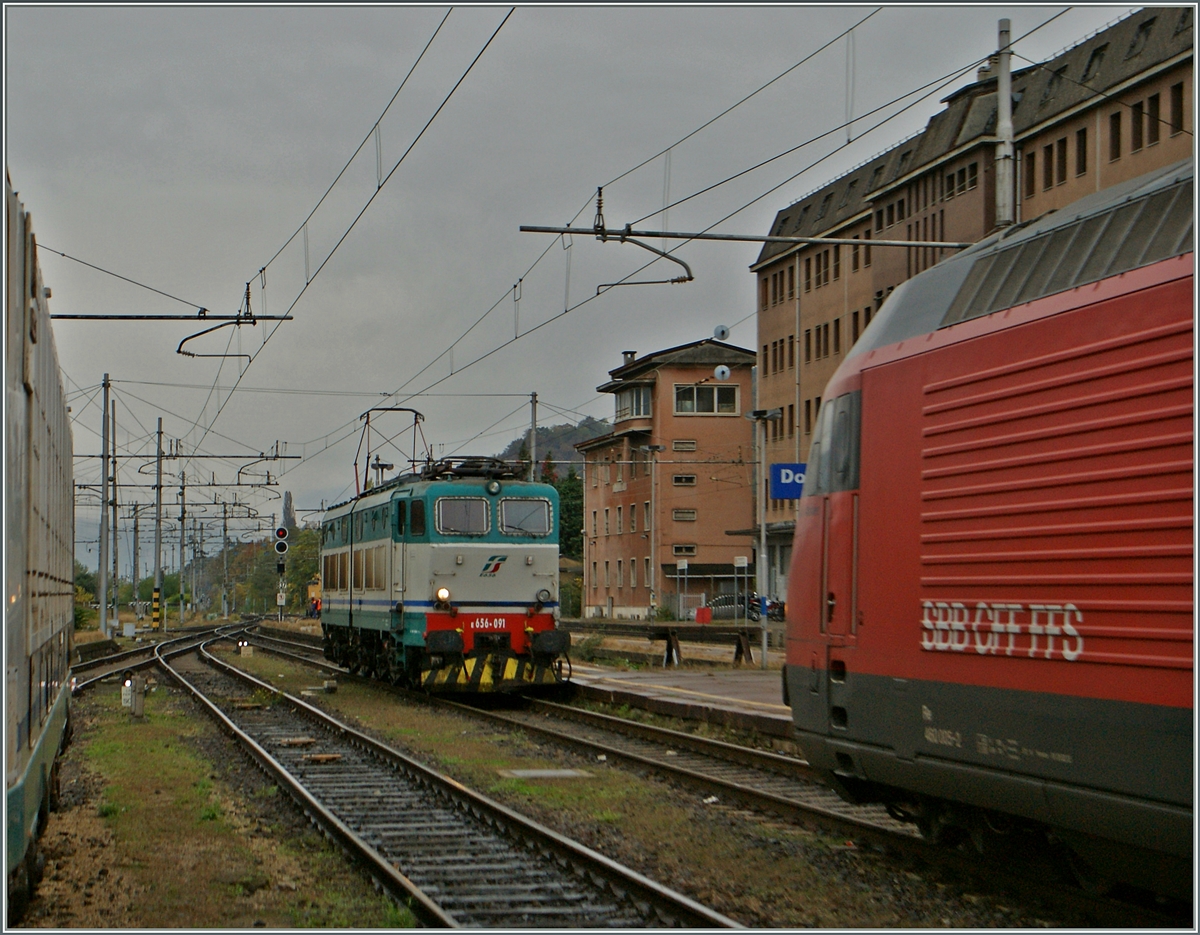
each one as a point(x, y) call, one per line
point(416, 526)
point(462, 516)
point(400, 516)
point(525, 517)
point(834, 456)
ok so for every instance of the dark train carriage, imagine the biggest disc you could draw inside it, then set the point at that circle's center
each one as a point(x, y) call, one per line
point(38, 562)
point(991, 592)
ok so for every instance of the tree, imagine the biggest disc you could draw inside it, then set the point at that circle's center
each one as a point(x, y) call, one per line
point(570, 506)
point(85, 578)
point(303, 563)
point(549, 474)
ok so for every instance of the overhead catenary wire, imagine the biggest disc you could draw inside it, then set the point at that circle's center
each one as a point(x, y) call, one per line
point(267, 337)
point(108, 272)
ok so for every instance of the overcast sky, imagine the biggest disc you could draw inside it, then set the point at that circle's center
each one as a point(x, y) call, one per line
point(183, 146)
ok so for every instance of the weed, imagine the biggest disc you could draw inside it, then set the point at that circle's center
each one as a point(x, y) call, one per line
point(608, 815)
point(210, 813)
point(109, 810)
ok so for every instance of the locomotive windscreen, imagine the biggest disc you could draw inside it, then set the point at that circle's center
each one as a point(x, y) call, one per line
point(462, 516)
point(525, 517)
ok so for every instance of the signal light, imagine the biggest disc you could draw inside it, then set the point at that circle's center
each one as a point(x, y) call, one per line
point(281, 547)
point(281, 534)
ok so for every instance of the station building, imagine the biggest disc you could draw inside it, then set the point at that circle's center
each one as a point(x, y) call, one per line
point(1111, 108)
point(661, 489)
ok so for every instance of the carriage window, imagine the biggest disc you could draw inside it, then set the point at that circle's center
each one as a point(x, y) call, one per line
point(462, 516)
point(417, 524)
point(400, 505)
point(525, 517)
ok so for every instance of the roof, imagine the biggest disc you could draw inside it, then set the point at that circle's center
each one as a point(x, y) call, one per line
point(1111, 57)
point(708, 352)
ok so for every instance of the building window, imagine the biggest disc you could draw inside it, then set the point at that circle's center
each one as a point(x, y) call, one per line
point(900, 215)
point(854, 257)
point(646, 571)
point(891, 214)
point(706, 400)
point(808, 345)
point(1114, 136)
point(791, 420)
point(595, 580)
point(825, 338)
point(633, 403)
point(620, 519)
point(683, 444)
point(1060, 168)
point(684, 480)
point(1030, 174)
point(762, 292)
point(1137, 123)
point(632, 573)
point(791, 270)
point(620, 573)
point(633, 517)
point(1176, 108)
point(879, 220)
point(808, 274)
point(646, 515)
point(683, 516)
point(766, 369)
point(593, 523)
point(1094, 62)
point(808, 417)
point(972, 175)
point(837, 335)
point(1081, 151)
point(949, 186)
point(962, 181)
point(606, 521)
point(866, 248)
point(1152, 119)
point(607, 577)
point(853, 327)
point(683, 550)
point(1047, 167)
point(837, 261)
point(791, 352)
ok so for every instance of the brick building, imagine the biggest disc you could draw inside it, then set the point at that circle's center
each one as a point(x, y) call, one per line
point(665, 484)
point(1111, 108)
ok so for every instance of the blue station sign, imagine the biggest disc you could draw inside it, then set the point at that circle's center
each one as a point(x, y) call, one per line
point(787, 481)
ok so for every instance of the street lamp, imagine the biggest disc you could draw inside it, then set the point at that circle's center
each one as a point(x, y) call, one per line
point(653, 450)
point(761, 417)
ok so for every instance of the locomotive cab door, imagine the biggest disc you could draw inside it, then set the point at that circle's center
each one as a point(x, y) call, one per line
point(830, 556)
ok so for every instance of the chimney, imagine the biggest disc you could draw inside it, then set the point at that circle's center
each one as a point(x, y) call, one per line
point(1004, 132)
point(629, 357)
point(988, 69)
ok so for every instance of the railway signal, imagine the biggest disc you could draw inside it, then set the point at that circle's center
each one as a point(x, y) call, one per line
point(281, 543)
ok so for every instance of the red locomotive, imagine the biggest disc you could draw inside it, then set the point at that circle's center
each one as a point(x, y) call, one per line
point(990, 601)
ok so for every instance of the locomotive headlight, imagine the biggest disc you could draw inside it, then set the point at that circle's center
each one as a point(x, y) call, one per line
point(443, 594)
point(493, 487)
point(543, 595)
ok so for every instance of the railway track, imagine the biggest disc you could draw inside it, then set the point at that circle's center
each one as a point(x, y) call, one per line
point(455, 857)
point(779, 784)
point(103, 666)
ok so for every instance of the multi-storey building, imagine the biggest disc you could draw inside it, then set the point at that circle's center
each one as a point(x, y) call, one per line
point(664, 486)
point(1111, 108)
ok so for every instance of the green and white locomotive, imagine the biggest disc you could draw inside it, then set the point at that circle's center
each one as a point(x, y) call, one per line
point(447, 580)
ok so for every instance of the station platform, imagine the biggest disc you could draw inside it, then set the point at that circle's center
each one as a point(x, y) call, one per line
point(744, 698)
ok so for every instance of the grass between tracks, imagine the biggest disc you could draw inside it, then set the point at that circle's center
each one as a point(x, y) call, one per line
point(758, 871)
point(181, 845)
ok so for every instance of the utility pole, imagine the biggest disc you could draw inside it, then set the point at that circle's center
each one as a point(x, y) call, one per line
point(136, 569)
point(533, 436)
point(200, 588)
point(102, 590)
point(1004, 132)
point(193, 562)
point(159, 616)
point(116, 586)
point(225, 561)
point(182, 537)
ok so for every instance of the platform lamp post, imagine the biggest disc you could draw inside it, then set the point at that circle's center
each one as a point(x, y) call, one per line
point(761, 417)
